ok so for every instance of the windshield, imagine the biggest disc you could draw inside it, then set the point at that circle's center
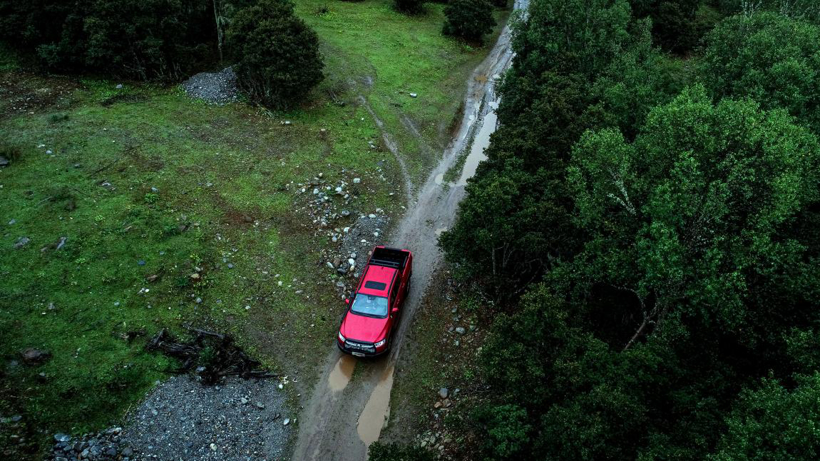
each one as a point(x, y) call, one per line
point(370, 305)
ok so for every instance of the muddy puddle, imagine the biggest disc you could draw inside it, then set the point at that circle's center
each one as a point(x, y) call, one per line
point(342, 372)
point(377, 410)
point(480, 143)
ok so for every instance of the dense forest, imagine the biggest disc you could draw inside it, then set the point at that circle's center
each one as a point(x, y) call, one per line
point(647, 226)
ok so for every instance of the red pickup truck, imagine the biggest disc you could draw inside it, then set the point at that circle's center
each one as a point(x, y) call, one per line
point(373, 311)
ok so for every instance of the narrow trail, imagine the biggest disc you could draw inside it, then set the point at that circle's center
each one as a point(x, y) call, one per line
point(344, 417)
point(391, 146)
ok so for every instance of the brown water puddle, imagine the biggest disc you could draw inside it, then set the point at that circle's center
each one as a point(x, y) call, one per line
point(377, 411)
point(481, 141)
point(341, 373)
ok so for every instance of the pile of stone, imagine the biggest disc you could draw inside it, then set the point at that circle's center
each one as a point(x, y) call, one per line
point(103, 446)
point(213, 87)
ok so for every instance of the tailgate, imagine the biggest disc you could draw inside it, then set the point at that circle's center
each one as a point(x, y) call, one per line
point(389, 257)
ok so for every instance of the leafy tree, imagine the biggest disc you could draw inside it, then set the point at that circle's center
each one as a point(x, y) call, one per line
point(690, 215)
point(469, 19)
point(675, 24)
point(798, 9)
point(773, 423)
point(515, 222)
point(578, 36)
point(224, 11)
point(409, 6)
point(31, 23)
point(507, 429)
point(277, 54)
point(155, 39)
point(768, 57)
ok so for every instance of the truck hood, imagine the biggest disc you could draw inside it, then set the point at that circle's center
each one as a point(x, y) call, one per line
point(361, 328)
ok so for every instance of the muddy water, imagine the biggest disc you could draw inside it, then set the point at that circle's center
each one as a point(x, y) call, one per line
point(480, 143)
point(341, 374)
point(342, 418)
point(377, 410)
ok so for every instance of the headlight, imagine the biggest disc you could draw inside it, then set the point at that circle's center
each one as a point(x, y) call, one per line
point(381, 343)
point(341, 337)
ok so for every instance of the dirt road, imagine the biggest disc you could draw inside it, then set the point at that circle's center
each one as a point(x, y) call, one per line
point(342, 417)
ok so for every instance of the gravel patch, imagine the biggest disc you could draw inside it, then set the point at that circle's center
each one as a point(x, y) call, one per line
point(237, 420)
point(367, 232)
point(214, 87)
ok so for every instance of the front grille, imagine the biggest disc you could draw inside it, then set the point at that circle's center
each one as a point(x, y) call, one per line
point(360, 346)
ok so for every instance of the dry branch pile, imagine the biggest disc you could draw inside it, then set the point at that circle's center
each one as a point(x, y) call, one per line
point(211, 355)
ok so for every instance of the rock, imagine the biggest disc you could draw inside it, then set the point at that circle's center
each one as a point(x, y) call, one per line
point(243, 400)
point(141, 262)
point(213, 446)
point(330, 265)
point(127, 452)
point(34, 356)
point(111, 451)
point(4, 161)
point(60, 437)
point(437, 405)
point(119, 86)
point(443, 392)
point(21, 242)
point(414, 95)
point(260, 406)
point(286, 422)
point(460, 330)
point(357, 180)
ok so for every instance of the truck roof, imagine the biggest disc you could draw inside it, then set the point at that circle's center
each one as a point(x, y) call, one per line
point(377, 280)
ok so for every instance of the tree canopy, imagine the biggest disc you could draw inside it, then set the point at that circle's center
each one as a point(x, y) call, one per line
point(648, 230)
point(768, 57)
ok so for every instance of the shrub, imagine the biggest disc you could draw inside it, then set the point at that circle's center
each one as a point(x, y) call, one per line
point(12, 153)
point(393, 452)
point(277, 54)
point(469, 19)
point(410, 6)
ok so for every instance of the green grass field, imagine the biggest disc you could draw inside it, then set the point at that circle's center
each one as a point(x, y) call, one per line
point(149, 187)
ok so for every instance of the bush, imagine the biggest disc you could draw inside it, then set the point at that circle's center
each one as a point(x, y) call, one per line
point(469, 19)
point(393, 452)
point(410, 6)
point(277, 54)
point(11, 153)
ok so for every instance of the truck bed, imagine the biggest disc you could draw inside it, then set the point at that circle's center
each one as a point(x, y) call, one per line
point(389, 257)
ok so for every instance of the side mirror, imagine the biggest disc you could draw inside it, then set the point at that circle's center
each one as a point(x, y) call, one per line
point(347, 301)
point(395, 310)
